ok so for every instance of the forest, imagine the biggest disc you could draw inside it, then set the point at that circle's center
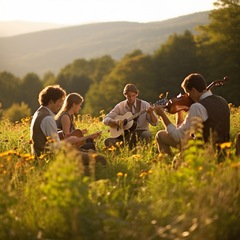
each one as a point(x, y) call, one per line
point(214, 52)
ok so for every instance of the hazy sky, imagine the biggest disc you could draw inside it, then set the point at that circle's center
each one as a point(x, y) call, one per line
point(90, 11)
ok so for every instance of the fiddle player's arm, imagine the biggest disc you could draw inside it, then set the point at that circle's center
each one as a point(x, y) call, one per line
point(176, 132)
point(153, 116)
point(179, 118)
point(160, 112)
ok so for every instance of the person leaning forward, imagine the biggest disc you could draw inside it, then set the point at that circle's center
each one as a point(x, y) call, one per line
point(213, 111)
point(132, 105)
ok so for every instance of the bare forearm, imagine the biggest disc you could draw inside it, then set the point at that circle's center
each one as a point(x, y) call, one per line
point(165, 119)
point(153, 118)
point(180, 118)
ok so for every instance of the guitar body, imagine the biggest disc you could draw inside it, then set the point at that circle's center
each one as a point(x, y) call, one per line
point(78, 133)
point(129, 127)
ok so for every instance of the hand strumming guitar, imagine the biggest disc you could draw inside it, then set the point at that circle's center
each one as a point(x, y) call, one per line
point(118, 123)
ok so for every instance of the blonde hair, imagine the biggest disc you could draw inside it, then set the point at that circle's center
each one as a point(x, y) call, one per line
point(69, 101)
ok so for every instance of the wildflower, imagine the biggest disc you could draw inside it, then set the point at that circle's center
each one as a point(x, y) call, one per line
point(160, 155)
point(7, 153)
point(143, 174)
point(150, 171)
point(112, 148)
point(225, 145)
point(42, 156)
point(27, 157)
point(136, 156)
point(118, 144)
point(235, 164)
point(200, 168)
point(119, 174)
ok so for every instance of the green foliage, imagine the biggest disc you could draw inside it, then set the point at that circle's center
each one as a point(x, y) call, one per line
point(17, 111)
point(81, 74)
point(139, 194)
point(9, 87)
point(135, 68)
point(29, 88)
point(219, 46)
point(174, 60)
point(48, 79)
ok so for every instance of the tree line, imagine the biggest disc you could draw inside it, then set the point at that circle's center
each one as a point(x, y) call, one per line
point(214, 52)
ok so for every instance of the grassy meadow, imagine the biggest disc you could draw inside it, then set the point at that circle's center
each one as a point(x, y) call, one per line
point(139, 194)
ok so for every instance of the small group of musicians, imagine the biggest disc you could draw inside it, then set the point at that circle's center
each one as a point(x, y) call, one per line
point(129, 120)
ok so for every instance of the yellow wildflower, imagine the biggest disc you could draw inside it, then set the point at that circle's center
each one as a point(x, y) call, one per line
point(225, 145)
point(136, 156)
point(200, 168)
point(143, 174)
point(119, 174)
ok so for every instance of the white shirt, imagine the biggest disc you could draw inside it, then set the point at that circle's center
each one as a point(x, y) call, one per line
point(122, 108)
point(195, 110)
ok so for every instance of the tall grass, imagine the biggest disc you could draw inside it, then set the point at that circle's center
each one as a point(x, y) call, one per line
point(139, 194)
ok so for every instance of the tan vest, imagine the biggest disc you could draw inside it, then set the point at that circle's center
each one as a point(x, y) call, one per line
point(38, 138)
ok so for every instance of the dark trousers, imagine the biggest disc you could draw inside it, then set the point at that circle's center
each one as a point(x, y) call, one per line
point(131, 139)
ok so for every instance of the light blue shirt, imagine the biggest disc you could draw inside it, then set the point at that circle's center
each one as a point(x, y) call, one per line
point(49, 126)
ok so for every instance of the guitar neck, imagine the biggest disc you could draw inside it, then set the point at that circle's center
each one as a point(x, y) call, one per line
point(136, 115)
point(89, 136)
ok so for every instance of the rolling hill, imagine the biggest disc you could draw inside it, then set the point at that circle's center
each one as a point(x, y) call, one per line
point(50, 50)
point(12, 28)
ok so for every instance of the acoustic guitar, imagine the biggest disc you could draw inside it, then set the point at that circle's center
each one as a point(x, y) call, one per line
point(129, 123)
point(78, 133)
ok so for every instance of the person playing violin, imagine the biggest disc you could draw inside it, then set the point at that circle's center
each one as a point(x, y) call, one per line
point(213, 110)
point(134, 105)
point(66, 116)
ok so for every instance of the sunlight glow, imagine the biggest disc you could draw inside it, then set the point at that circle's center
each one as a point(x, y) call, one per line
point(89, 11)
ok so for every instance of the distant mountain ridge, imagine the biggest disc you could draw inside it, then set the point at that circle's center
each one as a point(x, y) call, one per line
point(12, 28)
point(50, 50)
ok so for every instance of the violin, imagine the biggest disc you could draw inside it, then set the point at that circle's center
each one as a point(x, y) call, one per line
point(183, 101)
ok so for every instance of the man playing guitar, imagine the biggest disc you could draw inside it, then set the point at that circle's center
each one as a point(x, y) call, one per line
point(129, 120)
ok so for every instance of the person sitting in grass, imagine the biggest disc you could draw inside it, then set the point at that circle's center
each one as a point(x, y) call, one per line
point(117, 118)
point(43, 130)
point(65, 121)
point(213, 111)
